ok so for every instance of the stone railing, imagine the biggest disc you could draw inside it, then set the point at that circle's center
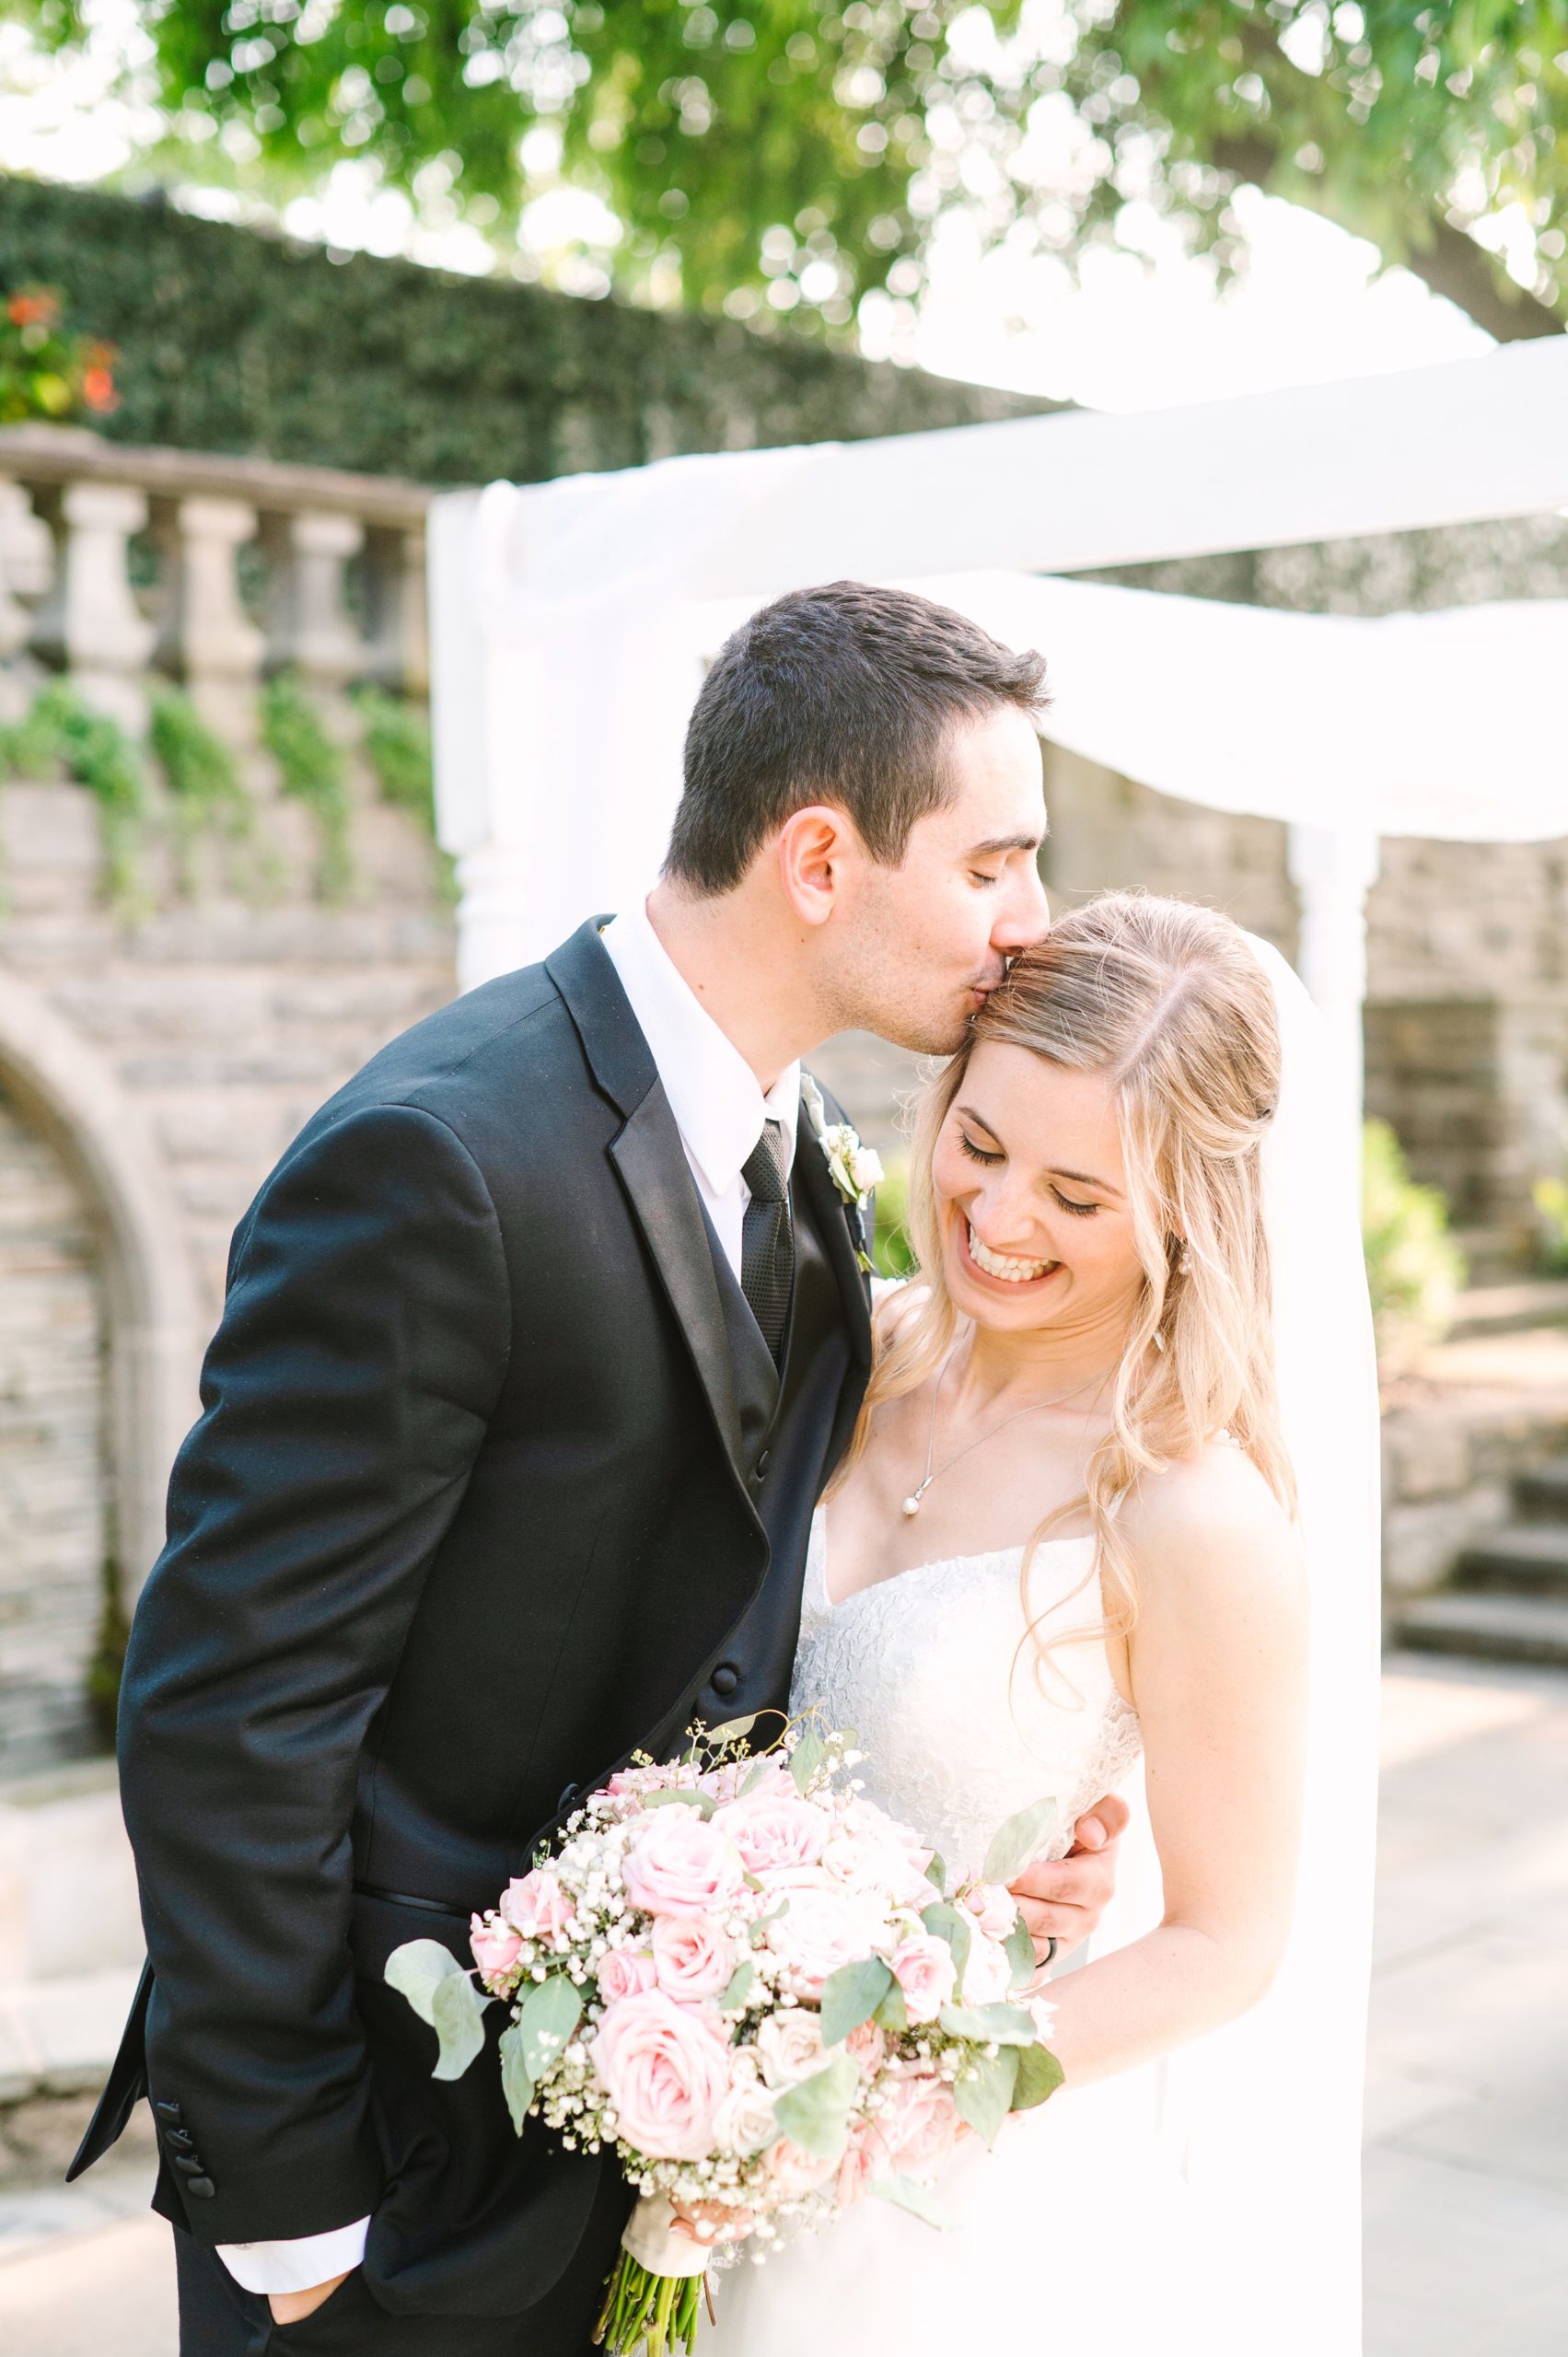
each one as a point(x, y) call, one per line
point(119, 564)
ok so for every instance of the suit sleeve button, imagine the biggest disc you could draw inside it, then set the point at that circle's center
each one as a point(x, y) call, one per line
point(169, 2111)
point(202, 2186)
point(190, 2164)
point(724, 1680)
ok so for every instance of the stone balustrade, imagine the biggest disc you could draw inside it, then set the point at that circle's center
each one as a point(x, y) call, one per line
point(119, 563)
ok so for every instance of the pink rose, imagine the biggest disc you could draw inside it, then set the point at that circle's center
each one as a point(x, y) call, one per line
point(868, 1852)
point(820, 1931)
point(792, 2173)
point(626, 1972)
point(994, 1907)
point(536, 1906)
point(665, 2069)
point(744, 2121)
point(868, 2048)
point(495, 1944)
point(694, 1958)
point(681, 1866)
point(988, 1975)
point(924, 1969)
point(865, 2157)
point(628, 1786)
point(774, 1830)
point(923, 2126)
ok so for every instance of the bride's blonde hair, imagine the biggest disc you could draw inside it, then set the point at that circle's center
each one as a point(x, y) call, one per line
point(1167, 998)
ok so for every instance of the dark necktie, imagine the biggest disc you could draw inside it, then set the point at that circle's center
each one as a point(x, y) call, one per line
point(767, 1241)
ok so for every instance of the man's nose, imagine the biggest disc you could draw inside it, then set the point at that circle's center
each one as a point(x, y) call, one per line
point(1027, 917)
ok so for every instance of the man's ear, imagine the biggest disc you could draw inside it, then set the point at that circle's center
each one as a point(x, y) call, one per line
point(812, 849)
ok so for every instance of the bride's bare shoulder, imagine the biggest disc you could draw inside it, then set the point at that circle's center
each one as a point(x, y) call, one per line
point(1210, 1522)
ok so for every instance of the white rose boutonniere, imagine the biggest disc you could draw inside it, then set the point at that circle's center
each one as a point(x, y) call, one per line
point(855, 1169)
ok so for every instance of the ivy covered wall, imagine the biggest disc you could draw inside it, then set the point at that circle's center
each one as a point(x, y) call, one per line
point(236, 340)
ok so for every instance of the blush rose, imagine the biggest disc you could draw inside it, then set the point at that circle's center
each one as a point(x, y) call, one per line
point(666, 2071)
point(681, 1866)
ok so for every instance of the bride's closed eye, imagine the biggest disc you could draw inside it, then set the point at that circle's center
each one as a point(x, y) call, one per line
point(976, 1152)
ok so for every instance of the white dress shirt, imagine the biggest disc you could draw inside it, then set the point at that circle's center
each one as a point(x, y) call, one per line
point(719, 1109)
point(713, 1094)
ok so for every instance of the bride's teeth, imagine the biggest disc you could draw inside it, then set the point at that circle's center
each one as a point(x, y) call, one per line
point(1001, 1264)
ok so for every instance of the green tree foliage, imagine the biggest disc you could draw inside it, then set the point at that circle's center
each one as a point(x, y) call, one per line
point(777, 158)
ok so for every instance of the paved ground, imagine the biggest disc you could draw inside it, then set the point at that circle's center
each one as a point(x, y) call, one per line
point(1467, 2166)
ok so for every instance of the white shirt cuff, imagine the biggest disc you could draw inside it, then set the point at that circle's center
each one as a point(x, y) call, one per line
point(297, 2265)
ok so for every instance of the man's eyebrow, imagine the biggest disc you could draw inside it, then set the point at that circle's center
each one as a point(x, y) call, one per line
point(1079, 1178)
point(1004, 842)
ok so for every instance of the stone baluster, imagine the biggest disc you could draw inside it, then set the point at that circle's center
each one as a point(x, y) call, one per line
point(399, 650)
point(27, 568)
point(213, 643)
point(90, 624)
point(313, 629)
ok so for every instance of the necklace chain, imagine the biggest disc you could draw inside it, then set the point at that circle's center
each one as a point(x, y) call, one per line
point(912, 1504)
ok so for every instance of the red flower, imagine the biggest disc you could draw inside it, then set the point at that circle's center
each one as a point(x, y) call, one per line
point(37, 306)
point(97, 389)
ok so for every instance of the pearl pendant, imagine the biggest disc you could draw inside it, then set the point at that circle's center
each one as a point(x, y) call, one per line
point(911, 1503)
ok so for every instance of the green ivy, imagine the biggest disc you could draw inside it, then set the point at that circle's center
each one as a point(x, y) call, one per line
point(206, 792)
point(395, 738)
point(63, 733)
point(313, 768)
point(1414, 1268)
point(441, 378)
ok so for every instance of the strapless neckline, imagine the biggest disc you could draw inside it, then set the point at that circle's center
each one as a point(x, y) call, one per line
point(986, 1555)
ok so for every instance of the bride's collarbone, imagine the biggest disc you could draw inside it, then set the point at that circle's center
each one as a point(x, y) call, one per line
point(871, 1538)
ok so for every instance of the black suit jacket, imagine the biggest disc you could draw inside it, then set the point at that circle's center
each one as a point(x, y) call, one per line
point(476, 1507)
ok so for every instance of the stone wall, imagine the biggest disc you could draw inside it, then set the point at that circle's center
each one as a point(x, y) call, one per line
point(218, 1022)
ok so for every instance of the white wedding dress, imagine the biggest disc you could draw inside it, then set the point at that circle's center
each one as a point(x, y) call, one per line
point(1077, 2230)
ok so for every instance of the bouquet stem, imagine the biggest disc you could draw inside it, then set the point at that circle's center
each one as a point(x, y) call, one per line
point(643, 2311)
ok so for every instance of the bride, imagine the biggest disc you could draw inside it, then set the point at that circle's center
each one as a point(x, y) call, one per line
point(1065, 1538)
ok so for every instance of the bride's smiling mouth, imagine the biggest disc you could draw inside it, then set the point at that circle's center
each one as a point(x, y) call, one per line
point(1000, 1268)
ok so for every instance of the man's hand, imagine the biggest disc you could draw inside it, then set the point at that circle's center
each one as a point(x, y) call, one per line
point(1065, 1902)
point(292, 2307)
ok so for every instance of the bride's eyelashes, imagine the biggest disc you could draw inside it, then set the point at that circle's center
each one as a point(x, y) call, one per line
point(978, 1154)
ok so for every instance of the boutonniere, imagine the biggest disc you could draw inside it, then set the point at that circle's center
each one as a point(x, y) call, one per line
point(855, 1169)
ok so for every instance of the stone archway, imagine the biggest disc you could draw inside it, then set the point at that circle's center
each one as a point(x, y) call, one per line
point(71, 1099)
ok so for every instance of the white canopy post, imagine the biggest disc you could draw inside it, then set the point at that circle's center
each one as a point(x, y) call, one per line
point(1333, 869)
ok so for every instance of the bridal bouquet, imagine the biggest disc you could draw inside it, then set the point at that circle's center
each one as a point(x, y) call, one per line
point(756, 1987)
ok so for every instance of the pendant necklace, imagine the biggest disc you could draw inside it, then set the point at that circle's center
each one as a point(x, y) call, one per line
point(912, 1503)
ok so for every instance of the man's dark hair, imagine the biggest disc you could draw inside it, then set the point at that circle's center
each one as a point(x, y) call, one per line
point(845, 695)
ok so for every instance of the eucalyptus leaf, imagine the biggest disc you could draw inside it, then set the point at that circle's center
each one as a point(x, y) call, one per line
point(417, 1970)
point(814, 2113)
point(983, 2093)
point(918, 2200)
point(1039, 2074)
point(703, 1803)
point(806, 1758)
point(937, 1872)
point(892, 2013)
point(990, 2025)
point(1017, 1843)
point(950, 1923)
point(733, 1730)
point(850, 1996)
point(516, 2083)
point(456, 2012)
point(759, 1931)
point(759, 1775)
point(1019, 1949)
point(551, 2012)
point(738, 1987)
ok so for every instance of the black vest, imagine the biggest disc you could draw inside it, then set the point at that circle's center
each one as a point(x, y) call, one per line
point(788, 1431)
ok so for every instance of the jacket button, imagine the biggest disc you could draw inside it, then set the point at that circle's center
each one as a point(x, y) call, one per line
point(760, 1470)
point(568, 1795)
point(202, 2186)
point(724, 1680)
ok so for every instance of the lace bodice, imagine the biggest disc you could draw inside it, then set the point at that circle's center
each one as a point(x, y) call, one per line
point(958, 1730)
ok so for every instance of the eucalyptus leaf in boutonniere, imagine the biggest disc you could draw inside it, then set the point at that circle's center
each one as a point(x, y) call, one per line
point(855, 1169)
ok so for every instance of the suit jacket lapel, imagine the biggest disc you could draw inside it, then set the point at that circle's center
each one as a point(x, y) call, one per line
point(839, 1227)
point(651, 1164)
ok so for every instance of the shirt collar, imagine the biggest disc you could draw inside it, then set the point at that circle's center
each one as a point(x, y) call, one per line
point(718, 1104)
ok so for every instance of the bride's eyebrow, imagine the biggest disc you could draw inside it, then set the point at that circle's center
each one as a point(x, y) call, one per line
point(1078, 1178)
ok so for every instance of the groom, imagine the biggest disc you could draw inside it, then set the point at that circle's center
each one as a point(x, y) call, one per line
point(540, 1344)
